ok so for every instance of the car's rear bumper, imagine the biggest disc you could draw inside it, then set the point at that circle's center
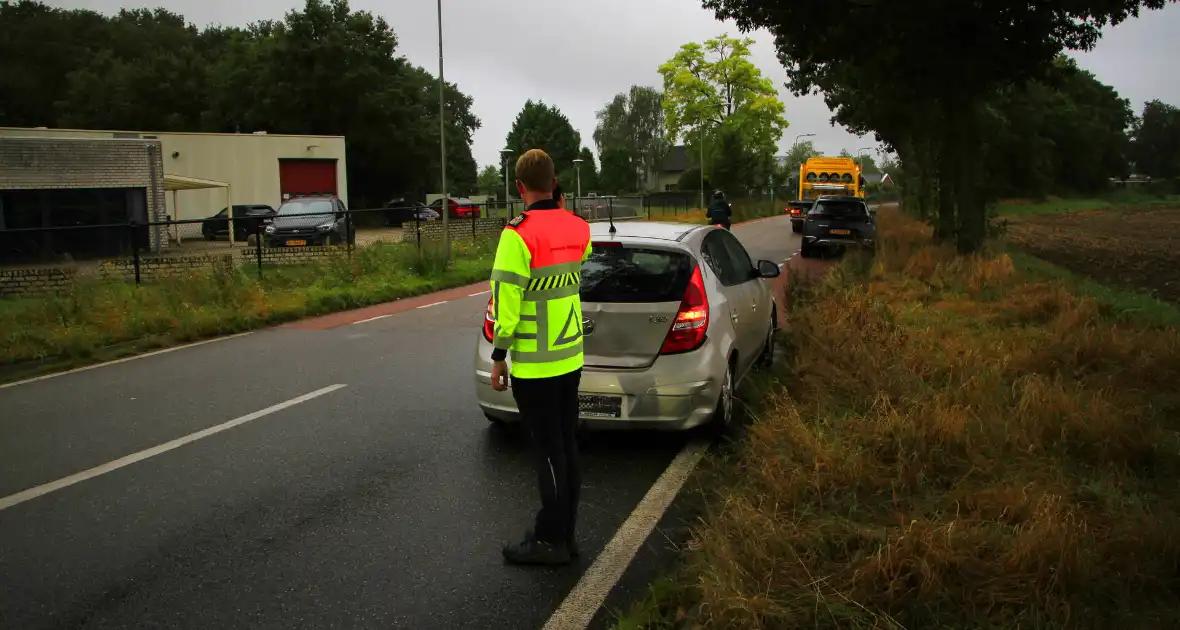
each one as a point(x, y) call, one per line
point(677, 392)
point(837, 241)
point(282, 240)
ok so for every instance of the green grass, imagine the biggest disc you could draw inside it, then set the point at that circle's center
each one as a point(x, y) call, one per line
point(1057, 205)
point(100, 320)
point(1124, 305)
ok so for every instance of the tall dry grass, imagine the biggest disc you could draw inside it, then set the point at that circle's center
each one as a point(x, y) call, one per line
point(952, 445)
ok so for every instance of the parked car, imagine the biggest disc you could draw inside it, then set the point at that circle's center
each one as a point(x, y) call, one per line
point(674, 317)
point(246, 218)
point(838, 221)
point(404, 213)
point(310, 220)
point(461, 207)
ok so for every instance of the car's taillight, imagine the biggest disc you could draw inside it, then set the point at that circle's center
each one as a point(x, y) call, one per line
point(692, 319)
point(489, 323)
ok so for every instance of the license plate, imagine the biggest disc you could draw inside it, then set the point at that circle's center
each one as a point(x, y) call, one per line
point(839, 231)
point(600, 406)
point(296, 243)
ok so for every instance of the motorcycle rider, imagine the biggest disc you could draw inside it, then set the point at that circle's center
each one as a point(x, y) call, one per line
point(719, 211)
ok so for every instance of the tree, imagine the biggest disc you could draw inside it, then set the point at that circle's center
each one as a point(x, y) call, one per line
point(713, 85)
point(617, 174)
point(925, 49)
point(1156, 134)
point(541, 126)
point(489, 182)
point(324, 69)
point(634, 122)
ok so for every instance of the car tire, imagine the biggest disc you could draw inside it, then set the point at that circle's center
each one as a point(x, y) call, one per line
point(766, 360)
point(797, 227)
point(723, 414)
point(806, 251)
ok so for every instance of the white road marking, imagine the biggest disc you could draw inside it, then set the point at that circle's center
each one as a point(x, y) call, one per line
point(480, 293)
point(584, 600)
point(64, 482)
point(123, 360)
point(433, 304)
point(372, 319)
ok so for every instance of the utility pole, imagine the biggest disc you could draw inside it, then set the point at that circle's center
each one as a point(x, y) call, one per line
point(578, 168)
point(504, 153)
point(442, 141)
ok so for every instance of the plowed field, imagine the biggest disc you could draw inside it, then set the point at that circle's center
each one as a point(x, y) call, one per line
point(1137, 247)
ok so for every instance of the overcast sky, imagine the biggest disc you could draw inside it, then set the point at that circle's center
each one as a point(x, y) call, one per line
point(494, 52)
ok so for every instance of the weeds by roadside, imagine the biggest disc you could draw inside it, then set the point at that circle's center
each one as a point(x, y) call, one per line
point(956, 443)
point(78, 325)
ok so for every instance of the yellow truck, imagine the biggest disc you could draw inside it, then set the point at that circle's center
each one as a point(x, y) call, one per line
point(824, 176)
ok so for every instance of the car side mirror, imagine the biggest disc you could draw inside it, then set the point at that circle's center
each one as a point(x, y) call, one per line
point(767, 269)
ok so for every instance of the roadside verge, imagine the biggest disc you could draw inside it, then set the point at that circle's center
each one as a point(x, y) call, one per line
point(953, 442)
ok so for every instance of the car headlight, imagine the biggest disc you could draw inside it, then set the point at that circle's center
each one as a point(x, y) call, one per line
point(270, 229)
point(325, 227)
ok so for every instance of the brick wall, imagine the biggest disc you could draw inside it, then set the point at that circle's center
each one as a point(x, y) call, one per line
point(460, 229)
point(291, 255)
point(161, 267)
point(35, 281)
point(55, 163)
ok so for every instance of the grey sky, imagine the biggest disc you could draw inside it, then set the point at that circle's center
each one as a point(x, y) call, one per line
point(600, 48)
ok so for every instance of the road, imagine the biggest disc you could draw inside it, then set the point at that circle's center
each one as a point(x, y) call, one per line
point(357, 484)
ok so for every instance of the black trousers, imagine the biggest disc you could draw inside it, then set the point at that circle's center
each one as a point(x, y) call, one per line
point(549, 412)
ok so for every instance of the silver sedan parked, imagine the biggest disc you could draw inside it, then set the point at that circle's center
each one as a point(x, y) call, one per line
point(675, 315)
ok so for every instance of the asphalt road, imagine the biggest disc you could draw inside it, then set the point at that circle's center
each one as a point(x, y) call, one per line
point(381, 503)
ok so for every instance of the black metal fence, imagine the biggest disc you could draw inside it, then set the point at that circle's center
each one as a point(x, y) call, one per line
point(135, 249)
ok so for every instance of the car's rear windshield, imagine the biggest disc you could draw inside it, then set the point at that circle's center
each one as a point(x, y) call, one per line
point(839, 208)
point(635, 274)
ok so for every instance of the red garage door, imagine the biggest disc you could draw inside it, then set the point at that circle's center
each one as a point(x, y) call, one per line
point(307, 177)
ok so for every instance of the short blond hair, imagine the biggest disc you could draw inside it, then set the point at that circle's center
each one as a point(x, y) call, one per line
point(535, 171)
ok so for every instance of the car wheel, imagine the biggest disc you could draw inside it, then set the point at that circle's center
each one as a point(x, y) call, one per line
point(796, 227)
point(723, 415)
point(767, 358)
point(805, 250)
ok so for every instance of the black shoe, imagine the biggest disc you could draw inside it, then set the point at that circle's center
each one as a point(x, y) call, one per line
point(531, 551)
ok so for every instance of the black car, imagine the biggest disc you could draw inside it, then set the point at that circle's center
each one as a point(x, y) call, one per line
point(838, 222)
point(311, 220)
point(400, 215)
point(246, 217)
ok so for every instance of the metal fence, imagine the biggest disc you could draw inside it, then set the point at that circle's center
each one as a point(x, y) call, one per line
point(260, 237)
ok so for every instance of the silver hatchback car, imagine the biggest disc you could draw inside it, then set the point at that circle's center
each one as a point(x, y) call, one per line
point(675, 315)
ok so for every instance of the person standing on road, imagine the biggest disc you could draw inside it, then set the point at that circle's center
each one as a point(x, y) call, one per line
point(536, 278)
point(719, 210)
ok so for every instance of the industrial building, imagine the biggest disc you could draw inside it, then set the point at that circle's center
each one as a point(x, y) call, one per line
point(258, 168)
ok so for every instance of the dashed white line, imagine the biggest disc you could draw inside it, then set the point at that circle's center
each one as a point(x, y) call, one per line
point(580, 606)
point(372, 319)
point(64, 482)
point(432, 304)
point(480, 293)
point(123, 360)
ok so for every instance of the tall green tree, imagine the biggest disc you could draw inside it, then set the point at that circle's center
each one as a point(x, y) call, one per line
point(1156, 140)
point(927, 48)
point(633, 121)
point(489, 182)
point(714, 85)
point(617, 174)
point(541, 126)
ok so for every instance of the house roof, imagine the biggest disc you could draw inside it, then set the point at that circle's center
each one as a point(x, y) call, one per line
point(676, 160)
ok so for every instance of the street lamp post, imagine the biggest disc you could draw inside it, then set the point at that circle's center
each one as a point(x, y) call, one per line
point(578, 169)
point(802, 135)
point(504, 153)
point(442, 141)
